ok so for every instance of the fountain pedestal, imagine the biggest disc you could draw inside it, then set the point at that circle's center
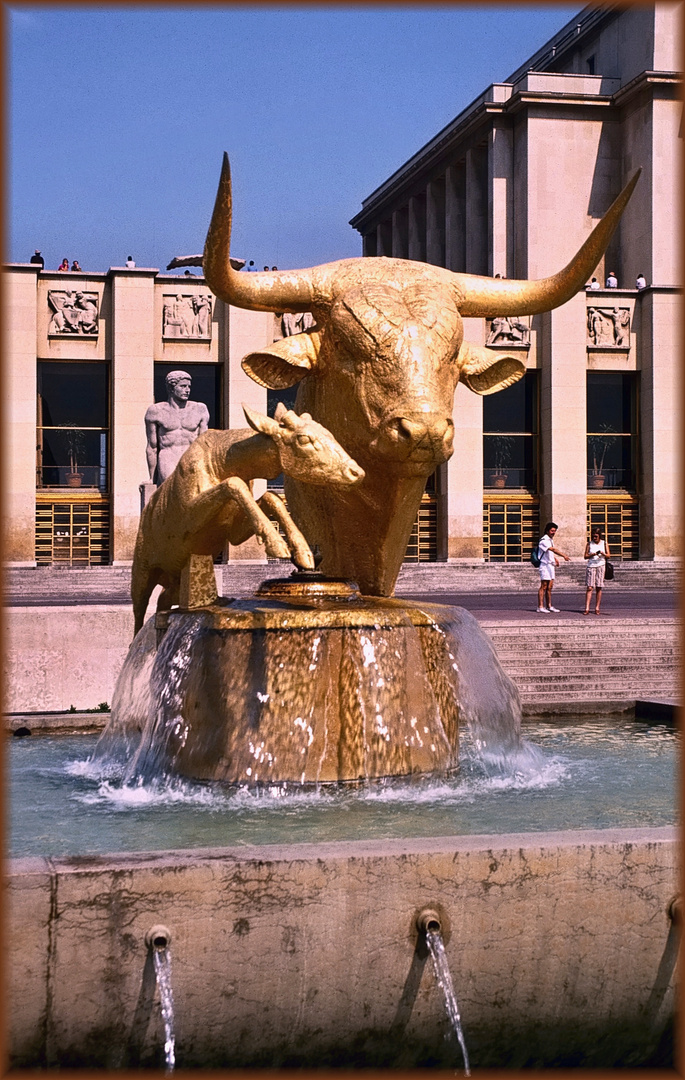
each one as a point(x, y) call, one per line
point(309, 682)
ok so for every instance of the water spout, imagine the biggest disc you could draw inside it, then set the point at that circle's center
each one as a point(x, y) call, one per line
point(429, 923)
point(158, 939)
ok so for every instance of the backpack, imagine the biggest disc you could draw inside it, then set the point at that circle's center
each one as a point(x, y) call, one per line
point(536, 556)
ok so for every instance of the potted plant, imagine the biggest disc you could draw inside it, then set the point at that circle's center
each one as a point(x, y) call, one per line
point(76, 446)
point(502, 446)
point(598, 446)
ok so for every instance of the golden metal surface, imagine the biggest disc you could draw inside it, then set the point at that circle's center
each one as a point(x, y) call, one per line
point(379, 370)
point(208, 500)
point(198, 583)
point(313, 589)
point(294, 613)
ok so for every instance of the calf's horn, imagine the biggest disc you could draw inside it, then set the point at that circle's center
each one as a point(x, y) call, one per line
point(487, 297)
point(287, 290)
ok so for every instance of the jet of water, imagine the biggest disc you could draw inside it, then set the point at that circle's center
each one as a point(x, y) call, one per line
point(162, 961)
point(436, 948)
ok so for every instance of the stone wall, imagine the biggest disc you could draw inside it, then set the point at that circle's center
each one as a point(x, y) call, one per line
point(560, 946)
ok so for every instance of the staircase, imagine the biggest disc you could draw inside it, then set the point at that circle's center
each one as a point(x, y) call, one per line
point(626, 660)
point(111, 584)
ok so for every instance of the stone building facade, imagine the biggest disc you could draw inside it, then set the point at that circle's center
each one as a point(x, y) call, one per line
point(85, 355)
point(512, 187)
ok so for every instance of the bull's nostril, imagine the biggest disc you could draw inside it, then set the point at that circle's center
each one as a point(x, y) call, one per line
point(410, 429)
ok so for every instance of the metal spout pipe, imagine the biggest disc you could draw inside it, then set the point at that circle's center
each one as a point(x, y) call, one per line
point(158, 937)
point(429, 920)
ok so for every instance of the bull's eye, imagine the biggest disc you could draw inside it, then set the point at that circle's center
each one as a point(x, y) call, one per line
point(304, 439)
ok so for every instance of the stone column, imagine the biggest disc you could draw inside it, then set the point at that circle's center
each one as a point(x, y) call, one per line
point(399, 233)
point(435, 222)
point(465, 467)
point(660, 316)
point(247, 332)
point(476, 211)
point(455, 219)
point(416, 245)
point(132, 359)
point(19, 376)
point(384, 238)
point(563, 423)
point(500, 200)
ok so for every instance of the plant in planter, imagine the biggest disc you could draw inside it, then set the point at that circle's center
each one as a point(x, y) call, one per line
point(598, 445)
point(502, 446)
point(76, 445)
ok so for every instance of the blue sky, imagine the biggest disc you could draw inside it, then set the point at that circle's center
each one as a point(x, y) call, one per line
point(118, 117)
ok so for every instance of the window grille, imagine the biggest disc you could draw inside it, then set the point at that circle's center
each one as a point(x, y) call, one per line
point(73, 532)
point(510, 529)
point(423, 542)
point(619, 520)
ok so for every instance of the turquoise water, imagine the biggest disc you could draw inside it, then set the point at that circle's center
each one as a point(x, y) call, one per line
point(583, 774)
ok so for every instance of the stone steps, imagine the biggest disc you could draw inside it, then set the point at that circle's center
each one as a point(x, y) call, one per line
point(32, 584)
point(636, 659)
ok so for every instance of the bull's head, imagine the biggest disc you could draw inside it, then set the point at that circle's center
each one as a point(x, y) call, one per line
point(388, 337)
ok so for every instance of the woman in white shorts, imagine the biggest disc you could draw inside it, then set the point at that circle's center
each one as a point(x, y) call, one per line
point(596, 552)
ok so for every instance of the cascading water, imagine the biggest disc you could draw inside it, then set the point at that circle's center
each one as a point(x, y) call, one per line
point(429, 923)
point(307, 689)
point(159, 941)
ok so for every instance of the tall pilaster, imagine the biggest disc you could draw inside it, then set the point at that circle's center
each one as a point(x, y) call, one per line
point(660, 436)
point(19, 378)
point(465, 467)
point(133, 334)
point(563, 423)
point(500, 200)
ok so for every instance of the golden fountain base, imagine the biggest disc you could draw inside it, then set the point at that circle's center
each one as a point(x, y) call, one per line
point(310, 683)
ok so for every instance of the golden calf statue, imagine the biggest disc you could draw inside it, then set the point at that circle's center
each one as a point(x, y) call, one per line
point(208, 500)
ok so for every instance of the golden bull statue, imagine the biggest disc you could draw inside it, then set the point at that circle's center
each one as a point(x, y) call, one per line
point(379, 370)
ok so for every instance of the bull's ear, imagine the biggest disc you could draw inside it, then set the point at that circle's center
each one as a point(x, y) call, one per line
point(285, 362)
point(486, 372)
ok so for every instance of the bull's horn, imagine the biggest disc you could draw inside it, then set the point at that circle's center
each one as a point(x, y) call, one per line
point(289, 290)
point(487, 297)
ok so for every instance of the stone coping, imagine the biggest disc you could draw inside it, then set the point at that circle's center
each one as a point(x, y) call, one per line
point(346, 850)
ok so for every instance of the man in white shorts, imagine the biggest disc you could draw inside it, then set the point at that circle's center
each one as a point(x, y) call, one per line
point(548, 562)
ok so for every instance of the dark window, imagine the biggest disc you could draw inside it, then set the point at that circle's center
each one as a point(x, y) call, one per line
point(206, 386)
point(611, 430)
point(510, 436)
point(72, 424)
point(590, 62)
point(273, 397)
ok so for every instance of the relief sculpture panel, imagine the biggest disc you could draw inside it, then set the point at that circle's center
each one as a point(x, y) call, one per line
point(608, 328)
point(508, 331)
point(73, 313)
point(187, 316)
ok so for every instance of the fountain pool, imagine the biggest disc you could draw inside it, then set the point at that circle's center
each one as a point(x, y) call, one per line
point(572, 774)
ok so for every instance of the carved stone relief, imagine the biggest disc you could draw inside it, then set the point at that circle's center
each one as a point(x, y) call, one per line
point(608, 328)
point(73, 313)
point(507, 332)
point(187, 316)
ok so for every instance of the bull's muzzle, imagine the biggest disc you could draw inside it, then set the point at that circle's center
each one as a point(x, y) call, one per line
point(420, 437)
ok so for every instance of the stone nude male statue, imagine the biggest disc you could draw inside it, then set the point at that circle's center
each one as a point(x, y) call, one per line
point(208, 499)
point(172, 425)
